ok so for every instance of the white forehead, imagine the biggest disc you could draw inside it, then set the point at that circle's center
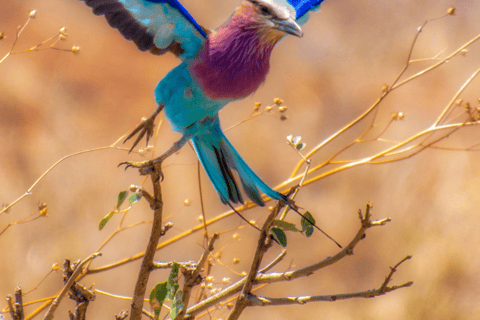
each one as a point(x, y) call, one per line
point(281, 8)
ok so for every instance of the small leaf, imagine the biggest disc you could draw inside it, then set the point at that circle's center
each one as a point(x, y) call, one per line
point(105, 219)
point(286, 225)
point(300, 146)
point(173, 281)
point(307, 224)
point(157, 296)
point(121, 197)
point(177, 305)
point(280, 236)
point(134, 197)
point(289, 139)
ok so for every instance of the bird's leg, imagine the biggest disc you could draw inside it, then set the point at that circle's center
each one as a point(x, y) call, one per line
point(149, 166)
point(155, 165)
point(146, 127)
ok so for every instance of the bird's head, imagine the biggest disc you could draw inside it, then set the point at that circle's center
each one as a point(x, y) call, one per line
point(271, 19)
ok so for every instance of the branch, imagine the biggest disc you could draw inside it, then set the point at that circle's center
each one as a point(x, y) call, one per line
point(29, 191)
point(383, 289)
point(366, 223)
point(384, 153)
point(274, 262)
point(16, 309)
point(80, 294)
point(174, 239)
point(193, 278)
point(264, 243)
point(68, 285)
point(253, 300)
point(395, 85)
point(147, 263)
point(168, 265)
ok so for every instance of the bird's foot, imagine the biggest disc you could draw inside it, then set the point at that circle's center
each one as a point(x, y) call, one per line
point(145, 167)
point(144, 129)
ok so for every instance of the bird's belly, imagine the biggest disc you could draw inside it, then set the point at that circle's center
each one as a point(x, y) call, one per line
point(231, 82)
point(233, 89)
point(185, 102)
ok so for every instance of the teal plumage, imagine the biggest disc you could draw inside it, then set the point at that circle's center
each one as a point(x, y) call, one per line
point(218, 67)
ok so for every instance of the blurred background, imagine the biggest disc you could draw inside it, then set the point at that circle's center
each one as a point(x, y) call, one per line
point(55, 103)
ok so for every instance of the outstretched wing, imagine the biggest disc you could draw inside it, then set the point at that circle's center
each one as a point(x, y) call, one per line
point(155, 25)
point(303, 6)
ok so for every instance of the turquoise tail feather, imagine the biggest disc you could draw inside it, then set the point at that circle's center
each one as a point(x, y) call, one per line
point(219, 158)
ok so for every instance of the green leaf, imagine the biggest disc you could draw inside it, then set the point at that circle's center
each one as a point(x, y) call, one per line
point(300, 146)
point(285, 225)
point(105, 219)
point(307, 224)
point(280, 236)
point(121, 197)
point(177, 305)
point(157, 296)
point(173, 281)
point(135, 197)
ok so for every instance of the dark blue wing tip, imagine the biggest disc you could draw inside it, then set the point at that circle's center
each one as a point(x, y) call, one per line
point(303, 6)
point(177, 5)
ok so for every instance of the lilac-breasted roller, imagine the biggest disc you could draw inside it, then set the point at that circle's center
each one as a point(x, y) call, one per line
point(218, 67)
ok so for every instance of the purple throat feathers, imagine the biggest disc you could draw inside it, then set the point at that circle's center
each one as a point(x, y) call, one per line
point(234, 61)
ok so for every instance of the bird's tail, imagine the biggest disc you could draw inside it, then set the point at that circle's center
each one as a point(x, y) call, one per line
point(219, 158)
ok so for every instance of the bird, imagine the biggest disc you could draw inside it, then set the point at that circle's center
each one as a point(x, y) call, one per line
point(218, 66)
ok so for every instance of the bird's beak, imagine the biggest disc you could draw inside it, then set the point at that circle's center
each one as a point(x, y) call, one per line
point(288, 26)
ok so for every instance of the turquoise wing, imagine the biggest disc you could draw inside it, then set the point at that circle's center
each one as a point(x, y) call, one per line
point(155, 25)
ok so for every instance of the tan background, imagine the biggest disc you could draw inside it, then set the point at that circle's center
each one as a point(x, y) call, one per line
point(55, 103)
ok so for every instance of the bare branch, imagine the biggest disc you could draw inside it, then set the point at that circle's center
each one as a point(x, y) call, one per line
point(261, 278)
point(253, 300)
point(264, 243)
point(274, 262)
point(16, 309)
point(192, 277)
point(168, 265)
point(78, 270)
point(264, 301)
point(147, 263)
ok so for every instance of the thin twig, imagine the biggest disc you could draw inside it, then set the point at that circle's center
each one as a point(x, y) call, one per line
point(384, 94)
point(274, 262)
point(264, 242)
point(265, 301)
point(205, 235)
point(43, 279)
point(29, 191)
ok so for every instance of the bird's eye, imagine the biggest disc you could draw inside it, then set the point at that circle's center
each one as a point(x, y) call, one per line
point(265, 11)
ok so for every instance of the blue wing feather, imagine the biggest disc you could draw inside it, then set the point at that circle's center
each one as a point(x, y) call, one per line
point(155, 25)
point(177, 5)
point(303, 6)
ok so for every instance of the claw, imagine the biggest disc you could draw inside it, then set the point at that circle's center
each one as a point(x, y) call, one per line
point(145, 128)
point(145, 167)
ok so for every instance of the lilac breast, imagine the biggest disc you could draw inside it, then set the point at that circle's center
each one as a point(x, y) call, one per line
point(232, 64)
